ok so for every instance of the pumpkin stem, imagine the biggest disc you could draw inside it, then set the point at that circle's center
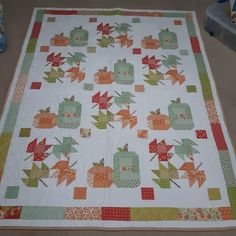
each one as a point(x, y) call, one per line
point(72, 98)
point(178, 100)
point(158, 111)
point(126, 147)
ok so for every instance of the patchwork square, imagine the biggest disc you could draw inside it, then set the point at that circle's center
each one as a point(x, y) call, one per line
point(88, 87)
point(136, 20)
point(92, 19)
point(183, 52)
point(214, 194)
point(91, 49)
point(12, 192)
point(51, 19)
point(178, 22)
point(139, 88)
point(25, 132)
point(191, 88)
point(137, 51)
point(147, 193)
point(201, 134)
point(85, 133)
point(44, 49)
point(80, 193)
point(36, 85)
point(142, 134)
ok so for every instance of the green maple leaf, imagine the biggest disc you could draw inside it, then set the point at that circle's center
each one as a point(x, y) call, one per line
point(54, 75)
point(122, 28)
point(76, 58)
point(104, 41)
point(35, 174)
point(153, 77)
point(171, 60)
point(103, 119)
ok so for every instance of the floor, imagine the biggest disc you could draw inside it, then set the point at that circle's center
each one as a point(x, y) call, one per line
point(222, 62)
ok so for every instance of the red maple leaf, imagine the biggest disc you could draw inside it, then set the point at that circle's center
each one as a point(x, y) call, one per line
point(152, 62)
point(38, 150)
point(160, 149)
point(102, 100)
point(55, 60)
point(105, 29)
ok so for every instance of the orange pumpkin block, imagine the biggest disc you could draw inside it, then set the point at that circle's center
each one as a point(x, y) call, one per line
point(150, 43)
point(45, 119)
point(100, 176)
point(104, 77)
point(59, 40)
point(158, 121)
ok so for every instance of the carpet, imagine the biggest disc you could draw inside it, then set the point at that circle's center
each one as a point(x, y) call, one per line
point(113, 122)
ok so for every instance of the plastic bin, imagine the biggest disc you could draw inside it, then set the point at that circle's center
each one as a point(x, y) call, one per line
point(3, 39)
point(219, 24)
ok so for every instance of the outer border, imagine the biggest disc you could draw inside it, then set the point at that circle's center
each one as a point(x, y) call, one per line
point(209, 95)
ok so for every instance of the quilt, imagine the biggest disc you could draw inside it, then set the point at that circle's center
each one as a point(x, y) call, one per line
point(112, 121)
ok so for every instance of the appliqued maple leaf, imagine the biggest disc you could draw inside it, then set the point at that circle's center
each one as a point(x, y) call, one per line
point(75, 74)
point(127, 118)
point(102, 100)
point(193, 174)
point(152, 62)
point(64, 172)
point(105, 29)
point(38, 149)
point(171, 61)
point(104, 42)
point(122, 28)
point(160, 149)
point(35, 175)
point(175, 76)
point(166, 175)
point(55, 59)
point(54, 75)
point(153, 78)
point(75, 58)
point(103, 119)
point(124, 99)
point(123, 40)
point(65, 147)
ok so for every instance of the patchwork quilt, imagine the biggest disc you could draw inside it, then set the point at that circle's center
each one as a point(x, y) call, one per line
point(112, 121)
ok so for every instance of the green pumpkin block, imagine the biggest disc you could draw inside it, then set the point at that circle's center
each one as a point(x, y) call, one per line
point(168, 40)
point(126, 172)
point(180, 115)
point(79, 37)
point(69, 114)
point(123, 72)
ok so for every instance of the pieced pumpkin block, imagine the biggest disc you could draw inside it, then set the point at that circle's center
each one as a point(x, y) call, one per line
point(79, 37)
point(123, 72)
point(158, 121)
point(168, 40)
point(59, 40)
point(45, 119)
point(150, 43)
point(104, 77)
point(100, 176)
point(69, 113)
point(180, 115)
point(126, 169)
